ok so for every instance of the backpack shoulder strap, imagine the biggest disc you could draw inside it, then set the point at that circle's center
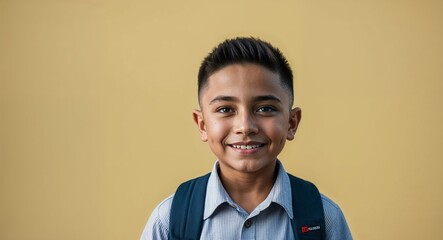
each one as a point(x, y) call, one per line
point(186, 217)
point(307, 206)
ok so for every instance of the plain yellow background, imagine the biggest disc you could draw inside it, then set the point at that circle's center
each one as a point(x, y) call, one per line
point(96, 99)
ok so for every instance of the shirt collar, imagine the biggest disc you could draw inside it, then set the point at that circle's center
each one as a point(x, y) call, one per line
point(280, 193)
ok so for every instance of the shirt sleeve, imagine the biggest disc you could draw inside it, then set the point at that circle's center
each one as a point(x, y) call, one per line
point(157, 227)
point(336, 226)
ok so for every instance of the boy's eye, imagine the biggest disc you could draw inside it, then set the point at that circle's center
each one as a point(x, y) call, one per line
point(225, 110)
point(266, 109)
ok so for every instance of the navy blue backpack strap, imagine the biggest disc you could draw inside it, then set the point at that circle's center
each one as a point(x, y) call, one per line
point(307, 206)
point(188, 204)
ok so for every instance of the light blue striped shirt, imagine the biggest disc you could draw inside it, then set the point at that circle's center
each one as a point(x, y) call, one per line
point(225, 220)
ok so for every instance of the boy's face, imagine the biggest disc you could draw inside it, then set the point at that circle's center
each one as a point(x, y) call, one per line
point(245, 117)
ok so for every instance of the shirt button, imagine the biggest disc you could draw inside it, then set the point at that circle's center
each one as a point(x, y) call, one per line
point(248, 223)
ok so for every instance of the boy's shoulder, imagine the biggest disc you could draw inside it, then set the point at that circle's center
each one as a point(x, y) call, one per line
point(164, 207)
point(157, 226)
point(335, 221)
point(328, 203)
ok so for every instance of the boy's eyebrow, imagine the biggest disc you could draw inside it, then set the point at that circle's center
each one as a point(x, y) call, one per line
point(234, 99)
point(223, 98)
point(267, 98)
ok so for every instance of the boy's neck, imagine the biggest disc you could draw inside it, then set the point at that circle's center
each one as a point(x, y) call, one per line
point(247, 189)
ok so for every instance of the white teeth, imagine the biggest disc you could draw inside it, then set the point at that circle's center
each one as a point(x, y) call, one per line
point(246, 146)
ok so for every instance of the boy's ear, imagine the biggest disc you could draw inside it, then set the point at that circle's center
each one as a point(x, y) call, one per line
point(198, 119)
point(294, 120)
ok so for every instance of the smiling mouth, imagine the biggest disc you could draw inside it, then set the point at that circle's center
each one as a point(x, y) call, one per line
point(247, 147)
point(243, 147)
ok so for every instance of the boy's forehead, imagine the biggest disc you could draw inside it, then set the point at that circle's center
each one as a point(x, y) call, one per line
point(244, 79)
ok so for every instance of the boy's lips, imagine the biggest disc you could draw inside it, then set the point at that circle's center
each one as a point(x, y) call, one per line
point(246, 146)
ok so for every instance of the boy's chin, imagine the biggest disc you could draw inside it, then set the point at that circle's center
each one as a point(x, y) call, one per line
point(248, 166)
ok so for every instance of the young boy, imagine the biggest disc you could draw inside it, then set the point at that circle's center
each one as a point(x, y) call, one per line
point(245, 92)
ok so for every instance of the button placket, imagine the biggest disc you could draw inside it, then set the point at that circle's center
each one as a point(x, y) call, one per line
point(248, 230)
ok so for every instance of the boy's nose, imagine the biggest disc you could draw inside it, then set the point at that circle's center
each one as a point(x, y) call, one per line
point(246, 124)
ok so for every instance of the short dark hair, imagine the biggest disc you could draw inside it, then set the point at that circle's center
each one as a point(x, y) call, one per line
point(246, 50)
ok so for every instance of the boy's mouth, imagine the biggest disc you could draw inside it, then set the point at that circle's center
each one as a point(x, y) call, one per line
point(246, 147)
point(241, 146)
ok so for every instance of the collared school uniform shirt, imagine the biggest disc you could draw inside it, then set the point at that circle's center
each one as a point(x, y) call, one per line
point(225, 220)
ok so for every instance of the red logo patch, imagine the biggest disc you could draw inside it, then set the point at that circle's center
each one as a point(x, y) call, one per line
point(306, 229)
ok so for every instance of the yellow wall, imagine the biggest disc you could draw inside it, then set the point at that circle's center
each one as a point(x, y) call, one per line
point(96, 99)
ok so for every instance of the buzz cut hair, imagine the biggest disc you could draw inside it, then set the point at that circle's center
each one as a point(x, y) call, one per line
point(242, 50)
